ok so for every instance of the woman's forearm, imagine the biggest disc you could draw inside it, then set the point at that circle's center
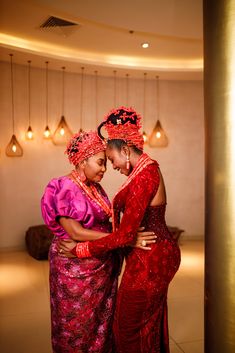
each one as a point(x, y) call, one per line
point(77, 232)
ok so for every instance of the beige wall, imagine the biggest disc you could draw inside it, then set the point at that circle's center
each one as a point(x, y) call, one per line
point(22, 180)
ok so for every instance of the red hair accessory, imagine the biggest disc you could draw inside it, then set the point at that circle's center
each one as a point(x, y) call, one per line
point(84, 145)
point(124, 124)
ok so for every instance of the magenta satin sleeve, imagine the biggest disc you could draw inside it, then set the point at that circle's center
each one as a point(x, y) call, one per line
point(63, 198)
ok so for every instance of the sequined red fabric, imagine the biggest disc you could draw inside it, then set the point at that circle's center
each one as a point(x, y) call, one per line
point(140, 324)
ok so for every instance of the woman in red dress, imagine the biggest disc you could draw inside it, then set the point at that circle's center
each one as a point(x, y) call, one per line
point(140, 324)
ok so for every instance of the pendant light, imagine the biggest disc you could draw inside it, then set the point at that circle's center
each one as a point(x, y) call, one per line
point(47, 131)
point(29, 132)
point(63, 133)
point(13, 148)
point(145, 136)
point(158, 136)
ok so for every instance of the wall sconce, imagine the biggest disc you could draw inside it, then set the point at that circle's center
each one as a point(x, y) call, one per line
point(13, 148)
point(47, 131)
point(29, 132)
point(63, 133)
point(158, 136)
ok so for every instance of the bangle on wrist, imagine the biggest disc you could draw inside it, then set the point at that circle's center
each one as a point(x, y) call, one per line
point(82, 250)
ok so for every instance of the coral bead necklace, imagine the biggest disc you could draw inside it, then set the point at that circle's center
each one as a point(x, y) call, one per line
point(92, 193)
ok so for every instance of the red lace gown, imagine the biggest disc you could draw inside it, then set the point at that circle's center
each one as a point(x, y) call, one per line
point(140, 324)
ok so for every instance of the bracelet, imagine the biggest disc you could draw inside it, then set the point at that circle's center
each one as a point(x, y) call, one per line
point(82, 250)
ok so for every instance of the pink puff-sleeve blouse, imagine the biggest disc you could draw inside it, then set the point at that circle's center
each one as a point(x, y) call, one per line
point(63, 198)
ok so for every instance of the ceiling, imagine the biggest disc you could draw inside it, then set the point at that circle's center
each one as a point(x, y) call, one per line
point(107, 36)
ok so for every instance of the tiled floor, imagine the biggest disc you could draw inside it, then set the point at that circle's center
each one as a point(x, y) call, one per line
point(25, 313)
point(186, 302)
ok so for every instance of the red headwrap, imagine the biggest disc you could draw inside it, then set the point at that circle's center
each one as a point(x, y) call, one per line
point(84, 145)
point(124, 124)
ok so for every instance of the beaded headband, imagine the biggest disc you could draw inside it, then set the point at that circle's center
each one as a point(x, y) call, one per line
point(84, 145)
point(124, 124)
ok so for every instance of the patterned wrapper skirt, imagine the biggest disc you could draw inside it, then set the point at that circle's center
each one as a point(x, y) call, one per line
point(83, 294)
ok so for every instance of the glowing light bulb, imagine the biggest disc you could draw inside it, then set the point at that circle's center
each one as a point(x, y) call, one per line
point(158, 135)
point(145, 137)
point(14, 148)
point(29, 133)
point(47, 132)
point(145, 45)
point(62, 134)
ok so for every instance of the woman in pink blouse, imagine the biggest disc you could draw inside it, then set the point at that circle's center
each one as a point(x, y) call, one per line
point(82, 291)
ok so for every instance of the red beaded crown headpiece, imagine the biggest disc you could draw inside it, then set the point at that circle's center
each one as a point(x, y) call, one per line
point(84, 145)
point(124, 124)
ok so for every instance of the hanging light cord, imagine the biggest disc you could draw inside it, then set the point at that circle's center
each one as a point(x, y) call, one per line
point(81, 102)
point(157, 89)
point(47, 93)
point(29, 89)
point(144, 108)
point(96, 97)
point(12, 97)
point(127, 89)
point(63, 68)
point(115, 87)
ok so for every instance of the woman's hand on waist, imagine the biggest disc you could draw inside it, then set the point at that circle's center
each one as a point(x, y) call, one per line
point(64, 247)
point(144, 239)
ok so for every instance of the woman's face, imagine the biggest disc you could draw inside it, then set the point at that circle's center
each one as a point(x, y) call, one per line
point(118, 160)
point(94, 167)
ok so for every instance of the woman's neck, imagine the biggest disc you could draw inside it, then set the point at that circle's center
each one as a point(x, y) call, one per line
point(134, 157)
point(83, 180)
